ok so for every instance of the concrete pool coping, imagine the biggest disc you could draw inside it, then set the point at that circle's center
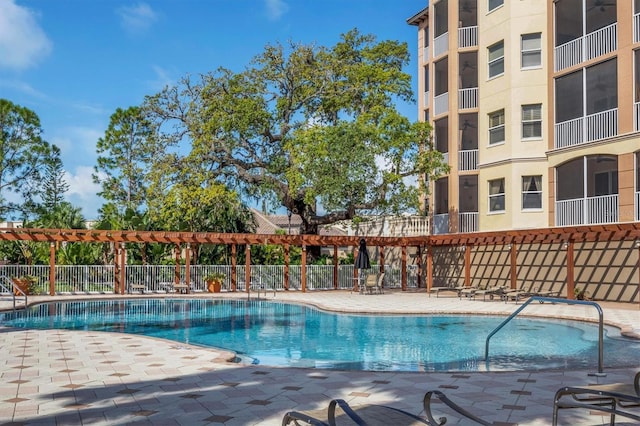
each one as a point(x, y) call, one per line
point(70, 377)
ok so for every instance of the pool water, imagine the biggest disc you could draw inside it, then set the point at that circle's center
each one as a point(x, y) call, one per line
point(282, 334)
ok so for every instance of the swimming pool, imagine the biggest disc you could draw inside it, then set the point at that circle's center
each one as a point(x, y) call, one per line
point(283, 334)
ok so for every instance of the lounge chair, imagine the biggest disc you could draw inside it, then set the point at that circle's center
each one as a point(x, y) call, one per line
point(489, 291)
point(517, 294)
point(615, 399)
point(375, 415)
point(471, 290)
point(438, 290)
point(546, 293)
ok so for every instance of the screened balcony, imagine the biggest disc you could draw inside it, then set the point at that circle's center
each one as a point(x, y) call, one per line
point(587, 191)
point(583, 31)
point(468, 80)
point(636, 27)
point(441, 135)
point(468, 204)
point(468, 142)
point(441, 35)
point(586, 105)
point(441, 204)
point(468, 19)
point(441, 86)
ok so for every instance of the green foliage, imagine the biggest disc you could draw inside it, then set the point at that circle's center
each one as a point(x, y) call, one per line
point(301, 126)
point(54, 185)
point(23, 154)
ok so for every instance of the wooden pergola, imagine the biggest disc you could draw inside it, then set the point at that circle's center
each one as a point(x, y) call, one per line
point(423, 244)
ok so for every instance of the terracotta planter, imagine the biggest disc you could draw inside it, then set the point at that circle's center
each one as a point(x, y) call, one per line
point(214, 286)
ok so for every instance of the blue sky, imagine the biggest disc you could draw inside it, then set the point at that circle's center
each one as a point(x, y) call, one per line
point(73, 62)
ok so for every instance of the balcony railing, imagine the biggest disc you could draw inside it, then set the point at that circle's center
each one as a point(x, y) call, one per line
point(441, 223)
point(593, 45)
point(636, 116)
point(601, 125)
point(637, 206)
point(467, 36)
point(425, 54)
point(636, 27)
point(426, 99)
point(441, 45)
point(587, 211)
point(394, 226)
point(468, 222)
point(468, 98)
point(441, 104)
point(468, 159)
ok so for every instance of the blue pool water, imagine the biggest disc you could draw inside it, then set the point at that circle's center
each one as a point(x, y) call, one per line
point(281, 334)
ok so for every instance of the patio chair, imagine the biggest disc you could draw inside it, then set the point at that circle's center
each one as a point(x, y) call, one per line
point(489, 291)
point(375, 415)
point(373, 284)
point(470, 291)
point(615, 399)
point(517, 294)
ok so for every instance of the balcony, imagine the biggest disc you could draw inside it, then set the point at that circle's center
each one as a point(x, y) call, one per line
point(636, 27)
point(585, 48)
point(468, 160)
point(394, 226)
point(441, 104)
point(468, 222)
point(441, 45)
point(601, 125)
point(587, 211)
point(467, 37)
point(637, 205)
point(426, 99)
point(440, 223)
point(425, 54)
point(636, 116)
point(468, 98)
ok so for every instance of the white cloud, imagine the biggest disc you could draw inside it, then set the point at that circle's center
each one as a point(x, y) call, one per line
point(22, 42)
point(161, 80)
point(21, 86)
point(275, 9)
point(82, 191)
point(138, 18)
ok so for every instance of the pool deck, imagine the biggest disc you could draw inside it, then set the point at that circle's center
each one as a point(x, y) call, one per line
point(98, 378)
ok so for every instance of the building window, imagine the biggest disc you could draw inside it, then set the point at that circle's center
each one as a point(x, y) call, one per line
point(531, 48)
point(496, 127)
point(496, 59)
point(496, 195)
point(532, 121)
point(494, 4)
point(531, 192)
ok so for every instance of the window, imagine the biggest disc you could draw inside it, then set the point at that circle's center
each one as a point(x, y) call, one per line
point(496, 59)
point(531, 47)
point(532, 121)
point(496, 127)
point(494, 4)
point(496, 195)
point(531, 192)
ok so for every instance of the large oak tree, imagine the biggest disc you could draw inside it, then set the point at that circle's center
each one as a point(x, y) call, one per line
point(313, 129)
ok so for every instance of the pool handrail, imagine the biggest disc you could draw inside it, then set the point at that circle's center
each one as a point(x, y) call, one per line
point(12, 289)
point(542, 299)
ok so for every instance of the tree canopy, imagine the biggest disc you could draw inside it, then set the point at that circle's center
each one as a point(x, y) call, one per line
point(312, 129)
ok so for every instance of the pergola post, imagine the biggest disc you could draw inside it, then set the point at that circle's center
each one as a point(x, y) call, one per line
point(123, 266)
point(514, 266)
point(286, 266)
point(187, 265)
point(247, 269)
point(234, 262)
point(467, 266)
point(570, 271)
point(303, 272)
point(404, 268)
point(429, 268)
point(335, 267)
point(52, 268)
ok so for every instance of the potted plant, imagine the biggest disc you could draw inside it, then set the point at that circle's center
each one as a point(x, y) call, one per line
point(26, 283)
point(581, 293)
point(214, 281)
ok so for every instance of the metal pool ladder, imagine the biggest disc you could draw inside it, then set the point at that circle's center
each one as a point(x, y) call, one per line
point(5, 279)
point(556, 300)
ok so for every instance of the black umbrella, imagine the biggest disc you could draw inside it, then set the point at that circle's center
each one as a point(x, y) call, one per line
point(362, 261)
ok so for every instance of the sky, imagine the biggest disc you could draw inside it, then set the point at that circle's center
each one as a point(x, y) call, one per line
point(74, 62)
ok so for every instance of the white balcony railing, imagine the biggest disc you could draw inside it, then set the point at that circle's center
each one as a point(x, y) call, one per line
point(636, 27)
point(445, 157)
point(590, 46)
point(601, 125)
point(441, 104)
point(393, 226)
point(425, 54)
point(636, 116)
point(587, 211)
point(441, 223)
point(468, 98)
point(468, 159)
point(637, 205)
point(426, 99)
point(441, 45)
point(467, 36)
point(468, 222)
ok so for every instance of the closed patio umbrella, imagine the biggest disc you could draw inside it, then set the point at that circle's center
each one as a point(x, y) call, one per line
point(362, 260)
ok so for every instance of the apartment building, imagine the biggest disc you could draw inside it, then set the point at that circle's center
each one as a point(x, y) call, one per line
point(535, 105)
